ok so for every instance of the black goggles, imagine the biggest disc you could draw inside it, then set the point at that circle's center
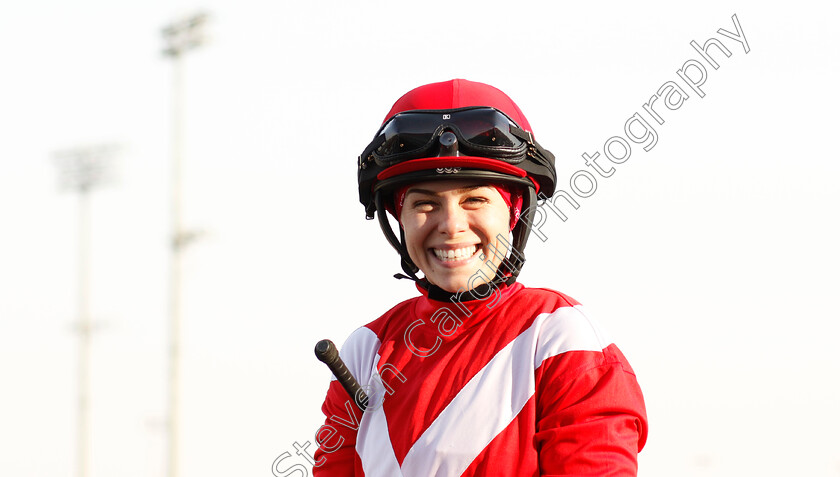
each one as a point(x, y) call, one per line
point(480, 131)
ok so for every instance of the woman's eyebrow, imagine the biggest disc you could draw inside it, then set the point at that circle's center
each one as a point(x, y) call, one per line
point(431, 192)
point(420, 191)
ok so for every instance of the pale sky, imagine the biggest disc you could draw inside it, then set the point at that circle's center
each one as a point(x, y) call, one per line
point(711, 259)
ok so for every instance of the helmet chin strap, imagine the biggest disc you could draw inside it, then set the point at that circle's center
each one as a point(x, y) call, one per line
point(516, 258)
point(408, 266)
point(508, 270)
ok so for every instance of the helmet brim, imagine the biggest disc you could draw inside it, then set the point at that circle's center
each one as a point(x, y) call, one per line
point(451, 165)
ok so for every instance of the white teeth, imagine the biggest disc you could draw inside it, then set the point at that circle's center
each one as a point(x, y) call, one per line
point(457, 254)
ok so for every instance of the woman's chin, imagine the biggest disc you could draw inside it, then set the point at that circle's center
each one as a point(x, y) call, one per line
point(459, 282)
point(450, 284)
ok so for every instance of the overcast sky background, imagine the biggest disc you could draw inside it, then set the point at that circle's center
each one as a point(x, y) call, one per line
point(712, 258)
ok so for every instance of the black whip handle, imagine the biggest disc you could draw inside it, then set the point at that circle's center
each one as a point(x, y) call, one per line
point(327, 353)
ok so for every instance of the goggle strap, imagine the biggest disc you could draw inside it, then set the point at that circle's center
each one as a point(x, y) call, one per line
point(529, 138)
point(363, 159)
point(522, 134)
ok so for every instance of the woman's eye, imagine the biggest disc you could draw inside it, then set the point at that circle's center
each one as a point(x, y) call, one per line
point(477, 200)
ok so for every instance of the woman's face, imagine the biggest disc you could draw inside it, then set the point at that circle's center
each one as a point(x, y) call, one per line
point(450, 231)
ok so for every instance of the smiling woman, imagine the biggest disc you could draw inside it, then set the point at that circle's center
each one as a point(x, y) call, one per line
point(450, 226)
point(485, 374)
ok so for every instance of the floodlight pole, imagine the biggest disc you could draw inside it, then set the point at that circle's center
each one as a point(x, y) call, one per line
point(84, 330)
point(82, 170)
point(180, 37)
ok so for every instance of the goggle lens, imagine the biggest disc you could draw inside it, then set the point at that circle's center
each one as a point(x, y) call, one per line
point(483, 129)
point(411, 132)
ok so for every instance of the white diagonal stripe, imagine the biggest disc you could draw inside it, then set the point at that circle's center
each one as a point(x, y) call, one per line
point(374, 443)
point(360, 353)
point(495, 395)
point(569, 329)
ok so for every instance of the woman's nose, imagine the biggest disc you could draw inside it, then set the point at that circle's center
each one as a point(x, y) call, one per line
point(453, 219)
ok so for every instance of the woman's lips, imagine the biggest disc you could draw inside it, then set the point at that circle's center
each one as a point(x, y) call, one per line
point(455, 254)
